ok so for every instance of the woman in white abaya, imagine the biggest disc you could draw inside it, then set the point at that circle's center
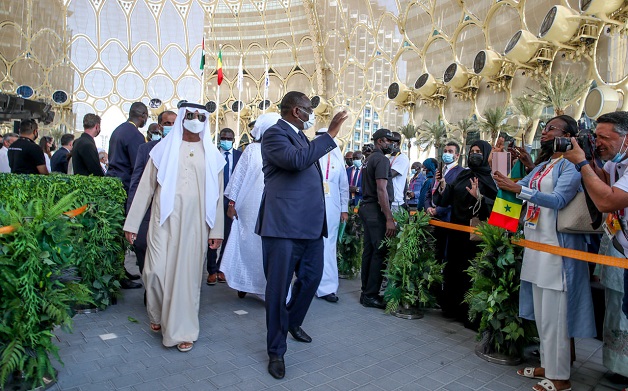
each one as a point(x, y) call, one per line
point(242, 261)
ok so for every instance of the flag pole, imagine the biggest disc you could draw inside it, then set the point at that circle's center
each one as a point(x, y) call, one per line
point(219, 79)
point(266, 82)
point(240, 82)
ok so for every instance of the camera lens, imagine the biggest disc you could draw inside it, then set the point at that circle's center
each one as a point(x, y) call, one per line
point(562, 144)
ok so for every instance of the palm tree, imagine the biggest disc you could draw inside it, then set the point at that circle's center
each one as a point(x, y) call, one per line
point(495, 123)
point(408, 131)
point(465, 126)
point(530, 112)
point(559, 91)
point(432, 134)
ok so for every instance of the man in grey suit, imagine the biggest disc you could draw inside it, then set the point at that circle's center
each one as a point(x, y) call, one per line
point(291, 228)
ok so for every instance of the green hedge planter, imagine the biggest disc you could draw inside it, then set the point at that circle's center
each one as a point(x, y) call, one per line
point(349, 249)
point(38, 286)
point(494, 297)
point(412, 267)
point(100, 240)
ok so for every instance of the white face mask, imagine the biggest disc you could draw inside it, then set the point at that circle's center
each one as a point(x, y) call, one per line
point(310, 122)
point(194, 125)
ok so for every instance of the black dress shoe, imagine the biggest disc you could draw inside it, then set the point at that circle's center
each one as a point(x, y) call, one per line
point(276, 367)
point(125, 283)
point(132, 276)
point(332, 298)
point(241, 294)
point(373, 302)
point(361, 298)
point(300, 335)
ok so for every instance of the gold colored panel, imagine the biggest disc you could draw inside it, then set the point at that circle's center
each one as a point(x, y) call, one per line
point(27, 72)
point(468, 42)
point(504, 22)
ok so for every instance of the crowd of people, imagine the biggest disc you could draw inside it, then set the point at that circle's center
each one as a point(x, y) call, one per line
point(271, 214)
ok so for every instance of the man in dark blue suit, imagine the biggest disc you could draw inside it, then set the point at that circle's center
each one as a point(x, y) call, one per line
point(292, 221)
point(354, 176)
point(232, 156)
point(59, 161)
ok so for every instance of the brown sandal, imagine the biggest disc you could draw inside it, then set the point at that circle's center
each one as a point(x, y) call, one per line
point(155, 327)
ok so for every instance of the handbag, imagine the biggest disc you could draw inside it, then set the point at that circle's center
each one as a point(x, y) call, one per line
point(576, 217)
point(475, 221)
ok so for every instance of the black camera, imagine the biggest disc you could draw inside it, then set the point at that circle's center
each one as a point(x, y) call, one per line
point(586, 141)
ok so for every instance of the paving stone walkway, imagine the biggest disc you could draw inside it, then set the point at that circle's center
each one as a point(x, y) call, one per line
point(353, 348)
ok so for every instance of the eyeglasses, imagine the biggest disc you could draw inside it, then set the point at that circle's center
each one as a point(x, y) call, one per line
point(549, 128)
point(191, 116)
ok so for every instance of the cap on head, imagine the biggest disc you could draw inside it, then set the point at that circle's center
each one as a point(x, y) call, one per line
point(396, 136)
point(381, 133)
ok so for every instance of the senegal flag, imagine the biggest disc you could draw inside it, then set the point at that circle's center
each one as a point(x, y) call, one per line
point(219, 66)
point(507, 207)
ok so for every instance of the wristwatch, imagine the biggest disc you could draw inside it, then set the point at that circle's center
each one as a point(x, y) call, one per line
point(581, 164)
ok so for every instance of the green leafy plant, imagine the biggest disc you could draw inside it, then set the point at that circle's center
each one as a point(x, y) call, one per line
point(349, 249)
point(38, 285)
point(408, 131)
point(559, 91)
point(100, 242)
point(432, 134)
point(494, 295)
point(494, 123)
point(412, 267)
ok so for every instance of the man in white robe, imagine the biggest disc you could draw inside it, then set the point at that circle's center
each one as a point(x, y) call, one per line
point(242, 260)
point(183, 181)
point(336, 187)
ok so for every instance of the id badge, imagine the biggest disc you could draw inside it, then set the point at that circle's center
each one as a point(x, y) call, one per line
point(611, 225)
point(326, 188)
point(532, 216)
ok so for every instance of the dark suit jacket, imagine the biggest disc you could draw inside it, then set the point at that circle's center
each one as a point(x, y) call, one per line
point(293, 202)
point(85, 156)
point(143, 155)
point(123, 146)
point(59, 161)
point(443, 212)
point(358, 195)
point(236, 157)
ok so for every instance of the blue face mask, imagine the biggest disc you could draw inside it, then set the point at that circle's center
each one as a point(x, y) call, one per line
point(413, 171)
point(619, 156)
point(167, 130)
point(448, 158)
point(357, 163)
point(155, 137)
point(226, 145)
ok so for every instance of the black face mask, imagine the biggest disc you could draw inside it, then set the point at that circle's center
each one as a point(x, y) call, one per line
point(387, 149)
point(349, 162)
point(475, 160)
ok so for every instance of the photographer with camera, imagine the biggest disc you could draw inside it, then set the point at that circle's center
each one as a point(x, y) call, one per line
point(608, 188)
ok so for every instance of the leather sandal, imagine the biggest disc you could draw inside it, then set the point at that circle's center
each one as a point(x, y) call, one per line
point(155, 327)
point(185, 346)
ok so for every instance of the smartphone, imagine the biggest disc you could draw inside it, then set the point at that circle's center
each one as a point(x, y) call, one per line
point(502, 163)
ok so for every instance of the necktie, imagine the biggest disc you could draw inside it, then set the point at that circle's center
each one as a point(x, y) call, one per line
point(226, 170)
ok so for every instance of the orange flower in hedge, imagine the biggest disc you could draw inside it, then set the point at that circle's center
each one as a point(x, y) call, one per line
point(76, 212)
point(7, 229)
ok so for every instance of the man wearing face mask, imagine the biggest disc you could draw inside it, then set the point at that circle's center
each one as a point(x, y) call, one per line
point(153, 133)
point(25, 156)
point(377, 218)
point(183, 183)
point(354, 175)
point(124, 143)
point(608, 188)
point(123, 146)
point(292, 221)
point(165, 120)
point(399, 166)
point(348, 159)
point(232, 156)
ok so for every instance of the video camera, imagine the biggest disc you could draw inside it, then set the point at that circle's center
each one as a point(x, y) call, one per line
point(586, 141)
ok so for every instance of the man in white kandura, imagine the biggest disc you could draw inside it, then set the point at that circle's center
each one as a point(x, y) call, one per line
point(336, 187)
point(183, 179)
point(242, 261)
